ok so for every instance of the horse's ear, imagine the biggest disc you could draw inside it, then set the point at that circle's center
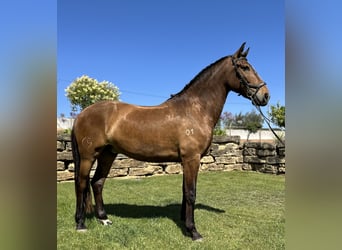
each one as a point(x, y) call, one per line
point(244, 54)
point(238, 53)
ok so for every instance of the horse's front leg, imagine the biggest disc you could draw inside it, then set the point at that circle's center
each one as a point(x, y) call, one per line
point(190, 171)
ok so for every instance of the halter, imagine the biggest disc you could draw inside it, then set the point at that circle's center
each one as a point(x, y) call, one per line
point(251, 95)
point(246, 84)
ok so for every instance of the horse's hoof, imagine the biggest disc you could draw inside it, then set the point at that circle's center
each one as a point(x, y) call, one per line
point(197, 237)
point(81, 227)
point(198, 240)
point(106, 222)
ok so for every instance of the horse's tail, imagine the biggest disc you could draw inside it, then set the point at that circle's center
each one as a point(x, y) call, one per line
point(87, 201)
point(75, 155)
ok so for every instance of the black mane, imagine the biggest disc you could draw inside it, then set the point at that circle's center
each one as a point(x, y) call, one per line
point(204, 72)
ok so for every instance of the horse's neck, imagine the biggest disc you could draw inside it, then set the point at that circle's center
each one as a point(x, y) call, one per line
point(206, 96)
point(211, 99)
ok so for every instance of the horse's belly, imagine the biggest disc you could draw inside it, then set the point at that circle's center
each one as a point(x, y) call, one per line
point(147, 150)
point(153, 157)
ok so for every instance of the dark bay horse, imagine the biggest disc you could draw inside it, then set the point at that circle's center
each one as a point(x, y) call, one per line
point(178, 130)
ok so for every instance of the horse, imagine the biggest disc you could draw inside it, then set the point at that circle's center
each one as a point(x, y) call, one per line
point(178, 130)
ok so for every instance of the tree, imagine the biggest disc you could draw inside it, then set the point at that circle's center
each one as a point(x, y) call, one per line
point(85, 91)
point(238, 120)
point(277, 114)
point(223, 123)
point(252, 122)
point(227, 119)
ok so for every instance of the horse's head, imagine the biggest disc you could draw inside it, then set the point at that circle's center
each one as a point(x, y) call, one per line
point(246, 79)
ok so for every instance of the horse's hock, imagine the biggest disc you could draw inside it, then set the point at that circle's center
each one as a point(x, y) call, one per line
point(225, 154)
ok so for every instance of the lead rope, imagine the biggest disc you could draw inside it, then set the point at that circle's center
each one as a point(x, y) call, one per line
point(268, 123)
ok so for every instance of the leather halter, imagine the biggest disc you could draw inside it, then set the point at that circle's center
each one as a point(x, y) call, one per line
point(249, 86)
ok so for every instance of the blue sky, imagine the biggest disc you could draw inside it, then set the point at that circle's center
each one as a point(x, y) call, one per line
point(152, 49)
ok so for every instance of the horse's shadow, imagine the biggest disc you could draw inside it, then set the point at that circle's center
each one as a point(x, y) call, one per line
point(171, 211)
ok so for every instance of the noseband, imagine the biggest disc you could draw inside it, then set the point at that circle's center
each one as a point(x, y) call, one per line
point(246, 84)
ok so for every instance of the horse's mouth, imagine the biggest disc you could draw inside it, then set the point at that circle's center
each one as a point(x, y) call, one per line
point(261, 99)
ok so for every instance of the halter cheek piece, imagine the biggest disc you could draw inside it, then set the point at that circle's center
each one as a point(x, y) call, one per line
point(251, 94)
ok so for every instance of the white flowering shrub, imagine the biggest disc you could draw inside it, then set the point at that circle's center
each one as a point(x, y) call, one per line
point(85, 91)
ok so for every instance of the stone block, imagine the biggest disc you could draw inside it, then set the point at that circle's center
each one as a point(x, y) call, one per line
point(118, 172)
point(226, 139)
point(253, 159)
point(208, 167)
point(269, 146)
point(207, 159)
point(239, 159)
point(249, 151)
point(64, 175)
point(274, 160)
point(225, 160)
point(204, 166)
point(246, 166)
point(215, 167)
point(173, 169)
point(60, 146)
point(64, 156)
point(250, 144)
point(214, 150)
point(63, 137)
point(259, 145)
point(265, 152)
point(229, 149)
point(149, 170)
point(270, 169)
point(258, 167)
point(130, 163)
point(232, 150)
point(60, 166)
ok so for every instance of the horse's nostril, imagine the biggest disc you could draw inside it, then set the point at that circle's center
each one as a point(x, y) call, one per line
point(266, 96)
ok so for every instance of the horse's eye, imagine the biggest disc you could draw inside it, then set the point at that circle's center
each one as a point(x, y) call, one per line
point(245, 68)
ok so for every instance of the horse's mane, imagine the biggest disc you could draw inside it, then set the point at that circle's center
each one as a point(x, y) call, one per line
point(207, 70)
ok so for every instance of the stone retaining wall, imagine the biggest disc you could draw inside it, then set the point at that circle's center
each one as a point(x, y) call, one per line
point(225, 154)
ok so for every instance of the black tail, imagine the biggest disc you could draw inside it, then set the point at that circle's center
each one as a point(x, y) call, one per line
point(75, 155)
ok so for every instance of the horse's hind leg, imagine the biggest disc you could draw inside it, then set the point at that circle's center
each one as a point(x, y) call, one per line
point(82, 188)
point(104, 162)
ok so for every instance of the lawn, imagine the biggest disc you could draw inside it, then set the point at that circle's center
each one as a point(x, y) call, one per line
point(234, 210)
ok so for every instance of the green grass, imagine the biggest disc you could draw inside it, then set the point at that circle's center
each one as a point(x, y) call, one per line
point(234, 210)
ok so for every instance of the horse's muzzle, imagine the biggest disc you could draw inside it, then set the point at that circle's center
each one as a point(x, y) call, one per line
point(261, 95)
